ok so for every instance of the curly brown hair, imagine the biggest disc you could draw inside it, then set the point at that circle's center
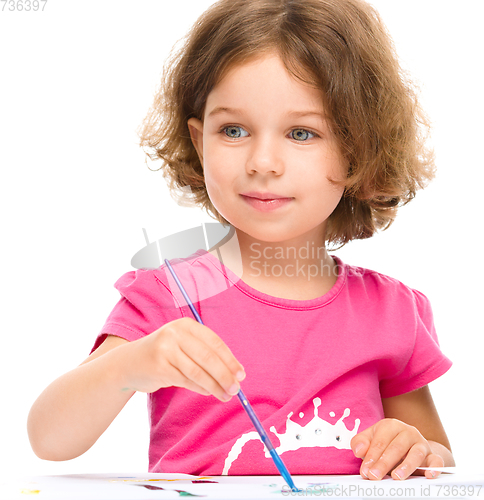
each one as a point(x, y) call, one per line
point(343, 48)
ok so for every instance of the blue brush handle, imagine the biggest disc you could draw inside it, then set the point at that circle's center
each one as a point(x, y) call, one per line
point(245, 403)
point(265, 439)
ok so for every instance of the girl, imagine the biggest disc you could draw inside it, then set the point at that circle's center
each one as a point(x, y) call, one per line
point(289, 120)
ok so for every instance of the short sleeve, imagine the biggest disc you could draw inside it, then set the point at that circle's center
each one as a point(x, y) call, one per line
point(426, 362)
point(145, 305)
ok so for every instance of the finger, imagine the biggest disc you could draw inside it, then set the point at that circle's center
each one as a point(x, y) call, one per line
point(360, 443)
point(168, 375)
point(433, 460)
point(214, 342)
point(395, 453)
point(179, 380)
point(202, 375)
point(383, 433)
point(208, 368)
point(209, 359)
point(417, 455)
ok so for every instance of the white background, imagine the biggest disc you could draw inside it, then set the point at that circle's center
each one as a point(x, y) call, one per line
point(77, 80)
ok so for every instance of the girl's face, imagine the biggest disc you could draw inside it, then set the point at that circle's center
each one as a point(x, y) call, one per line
point(264, 136)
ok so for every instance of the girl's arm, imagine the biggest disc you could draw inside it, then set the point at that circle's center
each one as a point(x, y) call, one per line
point(75, 409)
point(411, 435)
point(73, 412)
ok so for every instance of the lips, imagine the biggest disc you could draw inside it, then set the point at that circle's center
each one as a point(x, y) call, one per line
point(264, 196)
point(265, 202)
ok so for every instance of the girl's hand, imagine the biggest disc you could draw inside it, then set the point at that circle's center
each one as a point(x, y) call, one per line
point(392, 445)
point(183, 353)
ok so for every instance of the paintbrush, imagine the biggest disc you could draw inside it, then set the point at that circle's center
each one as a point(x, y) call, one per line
point(245, 403)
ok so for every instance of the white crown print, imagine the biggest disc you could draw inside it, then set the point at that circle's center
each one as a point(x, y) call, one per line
point(316, 433)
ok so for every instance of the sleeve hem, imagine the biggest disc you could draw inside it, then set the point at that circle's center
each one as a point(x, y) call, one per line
point(119, 331)
point(417, 382)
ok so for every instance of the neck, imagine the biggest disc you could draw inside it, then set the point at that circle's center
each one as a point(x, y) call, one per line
point(301, 259)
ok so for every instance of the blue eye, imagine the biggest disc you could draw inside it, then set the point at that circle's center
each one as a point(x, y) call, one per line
point(234, 132)
point(301, 135)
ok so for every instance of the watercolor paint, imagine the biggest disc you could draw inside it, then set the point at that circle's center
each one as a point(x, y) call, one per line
point(134, 480)
point(180, 492)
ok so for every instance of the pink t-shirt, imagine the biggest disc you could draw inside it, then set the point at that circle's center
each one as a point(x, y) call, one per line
point(316, 369)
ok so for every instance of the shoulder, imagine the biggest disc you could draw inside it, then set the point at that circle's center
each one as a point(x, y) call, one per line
point(376, 286)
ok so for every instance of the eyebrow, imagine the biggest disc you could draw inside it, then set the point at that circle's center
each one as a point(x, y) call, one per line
point(295, 114)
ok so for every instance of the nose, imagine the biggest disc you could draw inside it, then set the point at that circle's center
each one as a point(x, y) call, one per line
point(265, 156)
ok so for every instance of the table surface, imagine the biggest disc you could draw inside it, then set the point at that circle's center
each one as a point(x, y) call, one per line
point(145, 486)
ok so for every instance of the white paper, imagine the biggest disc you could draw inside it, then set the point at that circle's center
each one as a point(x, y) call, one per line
point(159, 486)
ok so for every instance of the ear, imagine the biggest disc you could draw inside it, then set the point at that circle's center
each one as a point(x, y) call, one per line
point(195, 126)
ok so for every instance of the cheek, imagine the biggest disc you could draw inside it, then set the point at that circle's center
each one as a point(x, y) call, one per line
point(216, 176)
point(219, 180)
point(325, 182)
point(336, 171)
point(220, 165)
point(324, 169)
